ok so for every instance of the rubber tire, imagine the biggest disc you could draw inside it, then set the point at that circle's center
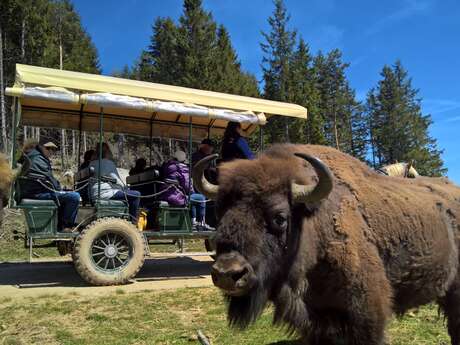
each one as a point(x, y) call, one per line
point(82, 260)
point(210, 246)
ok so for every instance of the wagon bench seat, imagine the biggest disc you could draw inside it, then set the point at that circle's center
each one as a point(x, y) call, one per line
point(36, 202)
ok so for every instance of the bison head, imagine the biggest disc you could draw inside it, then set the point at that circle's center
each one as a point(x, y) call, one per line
point(259, 204)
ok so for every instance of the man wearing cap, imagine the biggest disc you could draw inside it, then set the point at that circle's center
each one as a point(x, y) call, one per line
point(42, 185)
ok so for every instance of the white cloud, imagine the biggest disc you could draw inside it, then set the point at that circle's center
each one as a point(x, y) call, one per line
point(410, 8)
point(327, 37)
point(453, 119)
point(438, 106)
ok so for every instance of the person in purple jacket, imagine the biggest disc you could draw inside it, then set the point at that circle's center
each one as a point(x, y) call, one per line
point(234, 145)
point(177, 170)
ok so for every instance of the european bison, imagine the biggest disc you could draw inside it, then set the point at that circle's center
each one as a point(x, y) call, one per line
point(337, 251)
point(6, 176)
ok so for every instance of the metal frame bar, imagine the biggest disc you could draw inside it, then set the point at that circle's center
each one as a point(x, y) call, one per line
point(101, 132)
point(261, 138)
point(16, 119)
point(152, 119)
point(79, 135)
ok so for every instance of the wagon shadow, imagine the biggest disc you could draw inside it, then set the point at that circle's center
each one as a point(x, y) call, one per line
point(287, 342)
point(62, 273)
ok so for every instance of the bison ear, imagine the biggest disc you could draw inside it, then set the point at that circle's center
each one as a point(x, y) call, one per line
point(313, 194)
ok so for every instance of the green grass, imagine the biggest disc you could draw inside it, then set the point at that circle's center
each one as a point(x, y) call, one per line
point(168, 317)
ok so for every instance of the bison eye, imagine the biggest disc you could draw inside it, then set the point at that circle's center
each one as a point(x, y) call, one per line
point(280, 222)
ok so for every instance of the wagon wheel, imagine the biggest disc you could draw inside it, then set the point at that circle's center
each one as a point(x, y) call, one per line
point(210, 246)
point(109, 251)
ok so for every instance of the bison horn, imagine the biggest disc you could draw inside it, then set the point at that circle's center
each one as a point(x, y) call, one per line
point(208, 189)
point(313, 194)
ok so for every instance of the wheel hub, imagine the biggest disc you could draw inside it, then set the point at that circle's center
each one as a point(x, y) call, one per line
point(111, 251)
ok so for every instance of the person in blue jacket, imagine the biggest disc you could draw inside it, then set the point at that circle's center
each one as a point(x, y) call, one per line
point(234, 145)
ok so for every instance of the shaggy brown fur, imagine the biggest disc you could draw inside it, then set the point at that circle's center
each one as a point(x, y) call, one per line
point(6, 176)
point(377, 245)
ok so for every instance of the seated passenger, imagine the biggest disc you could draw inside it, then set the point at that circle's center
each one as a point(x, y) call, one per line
point(177, 170)
point(42, 185)
point(82, 186)
point(112, 187)
point(87, 158)
point(139, 167)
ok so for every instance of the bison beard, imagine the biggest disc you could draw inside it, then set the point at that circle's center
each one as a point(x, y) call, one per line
point(336, 268)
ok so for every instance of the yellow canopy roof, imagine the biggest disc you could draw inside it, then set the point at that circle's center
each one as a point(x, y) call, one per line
point(74, 100)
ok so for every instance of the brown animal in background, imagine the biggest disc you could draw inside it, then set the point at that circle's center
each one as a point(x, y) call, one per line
point(6, 177)
point(337, 251)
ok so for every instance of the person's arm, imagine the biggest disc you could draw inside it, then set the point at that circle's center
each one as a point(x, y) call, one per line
point(244, 147)
point(114, 173)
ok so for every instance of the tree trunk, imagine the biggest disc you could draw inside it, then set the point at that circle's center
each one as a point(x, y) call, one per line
point(23, 54)
point(121, 156)
point(336, 132)
point(63, 134)
point(74, 145)
point(23, 40)
point(2, 96)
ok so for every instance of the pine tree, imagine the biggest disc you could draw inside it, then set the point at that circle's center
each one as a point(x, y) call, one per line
point(196, 45)
point(278, 50)
point(304, 92)
point(33, 31)
point(195, 53)
point(160, 63)
point(399, 130)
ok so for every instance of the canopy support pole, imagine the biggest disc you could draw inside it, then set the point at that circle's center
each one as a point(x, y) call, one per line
point(80, 124)
point(151, 137)
point(16, 119)
point(190, 143)
point(261, 138)
point(15, 124)
point(101, 123)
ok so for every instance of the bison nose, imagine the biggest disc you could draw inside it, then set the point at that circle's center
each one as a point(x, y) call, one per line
point(233, 274)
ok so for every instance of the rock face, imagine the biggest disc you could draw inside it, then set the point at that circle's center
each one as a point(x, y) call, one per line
point(6, 177)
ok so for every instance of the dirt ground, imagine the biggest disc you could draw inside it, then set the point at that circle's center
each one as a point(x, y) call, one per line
point(59, 277)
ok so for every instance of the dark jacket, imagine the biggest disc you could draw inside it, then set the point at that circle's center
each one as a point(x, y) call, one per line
point(40, 169)
point(237, 148)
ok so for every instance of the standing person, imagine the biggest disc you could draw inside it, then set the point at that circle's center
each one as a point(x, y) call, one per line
point(42, 185)
point(234, 145)
point(177, 170)
point(112, 187)
point(205, 149)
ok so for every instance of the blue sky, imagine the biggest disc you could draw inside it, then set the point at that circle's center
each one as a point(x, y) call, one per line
point(423, 34)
